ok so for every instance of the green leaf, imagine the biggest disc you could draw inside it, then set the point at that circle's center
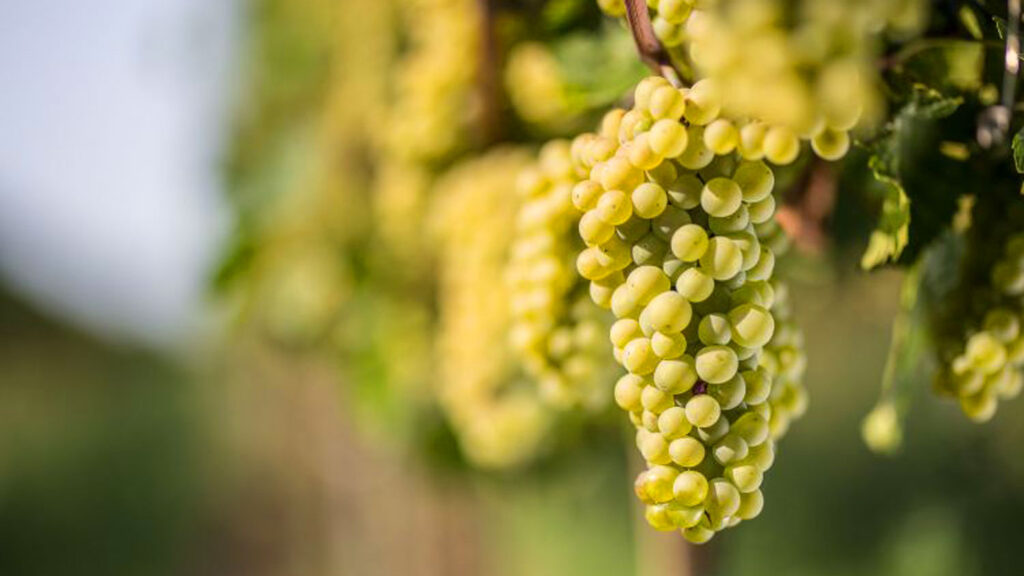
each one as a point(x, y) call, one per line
point(892, 232)
point(944, 63)
point(598, 68)
point(1018, 151)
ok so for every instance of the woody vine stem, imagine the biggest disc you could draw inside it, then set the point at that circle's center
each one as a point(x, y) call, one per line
point(651, 50)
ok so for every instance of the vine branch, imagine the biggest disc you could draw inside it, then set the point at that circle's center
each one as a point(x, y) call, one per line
point(652, 52)
point(488, 84)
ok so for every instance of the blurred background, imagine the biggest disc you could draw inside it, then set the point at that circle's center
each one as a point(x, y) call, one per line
point(143, 430)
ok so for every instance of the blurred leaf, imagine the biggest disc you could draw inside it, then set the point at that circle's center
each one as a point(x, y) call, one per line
point(1018, 151)
point(944, 63)
point(1000, 26)
point(883, 428)
point(235, 262)
point(969, 18)
point(598, 68)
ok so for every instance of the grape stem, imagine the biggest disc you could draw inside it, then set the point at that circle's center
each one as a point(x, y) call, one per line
point(488, 86)
point(994, 123)
point(652, 52)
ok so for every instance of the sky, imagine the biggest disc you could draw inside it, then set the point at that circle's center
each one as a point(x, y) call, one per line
point(113, 117)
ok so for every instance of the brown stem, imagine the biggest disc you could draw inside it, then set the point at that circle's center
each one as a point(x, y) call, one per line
point(650, 49)
point(488, 86)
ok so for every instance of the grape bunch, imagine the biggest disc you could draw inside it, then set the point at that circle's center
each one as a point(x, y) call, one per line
point(427, 117)
point(987, 366)
point(557, 332)
point(792, 70)
point(669, 211)
point(497, 417)
point(434, 99)
point(535, 85)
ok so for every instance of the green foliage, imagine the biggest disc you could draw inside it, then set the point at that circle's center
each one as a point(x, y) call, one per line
point(900, 139)
point(598, 68)
point(1018, 151)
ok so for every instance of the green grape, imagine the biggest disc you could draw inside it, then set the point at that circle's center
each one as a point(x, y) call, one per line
point(690, 488)
point(703, 411)
point(721, 197)
point(690, 293)
point(716, 364)
point(723, 259)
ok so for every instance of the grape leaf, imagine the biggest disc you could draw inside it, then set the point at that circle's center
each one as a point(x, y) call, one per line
point(598, 68)
point(892, 233)
point(1018, 151)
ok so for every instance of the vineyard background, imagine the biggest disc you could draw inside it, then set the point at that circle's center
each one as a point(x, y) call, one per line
point(142, 449)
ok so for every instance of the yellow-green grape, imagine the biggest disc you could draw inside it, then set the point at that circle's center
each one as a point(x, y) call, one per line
point(831, 144)
point(649, 200)
point(755, 180)
point(987, 364)
point(687, 278)
point(751, 143)
point(498, 423)
point(721, 197)
point(668, 138)
point(716, 364)
point(669, 312)
point(690, 488)
point(695, 284)
point(689, 242)
point(729, 449)
point(676, 376)
point(703, 411)
point(672, 423)
point(723, 258)
point(703, 104)
point(781, 146)
point(721, 136)
point(714, 330)
point(752, 325)
point(614, 207)
point(751, 504)
point(667, 103)
point(686, 451)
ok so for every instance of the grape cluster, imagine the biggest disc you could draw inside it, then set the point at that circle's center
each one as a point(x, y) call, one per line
point(535, 85)
point(556, 331)
point(792, 70)
point(427, 119)
point(669, 214)
point(499, 421)
point(988, 365)
point(434, 85)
